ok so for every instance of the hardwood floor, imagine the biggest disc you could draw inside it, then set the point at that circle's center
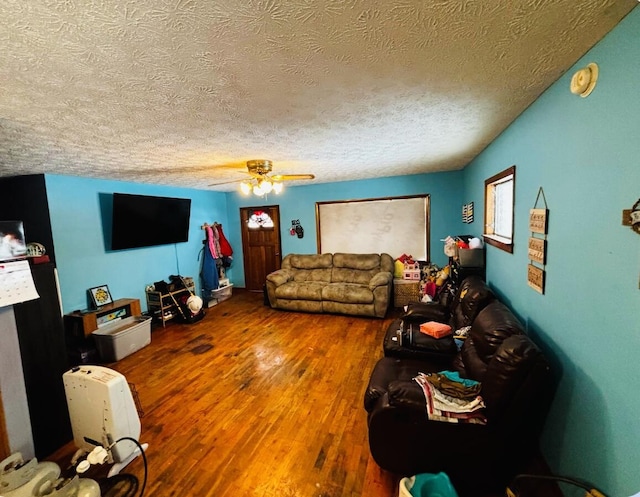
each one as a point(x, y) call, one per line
point(252, 401)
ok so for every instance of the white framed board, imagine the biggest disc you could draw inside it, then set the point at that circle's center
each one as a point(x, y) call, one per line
point(392, 225)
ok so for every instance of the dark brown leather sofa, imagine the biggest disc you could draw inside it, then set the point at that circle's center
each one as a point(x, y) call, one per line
point(517, 387)
point(457, 310)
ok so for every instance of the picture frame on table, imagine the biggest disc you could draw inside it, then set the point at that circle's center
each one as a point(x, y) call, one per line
point(100, 296)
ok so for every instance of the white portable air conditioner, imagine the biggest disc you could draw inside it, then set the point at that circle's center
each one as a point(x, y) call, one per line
point(102, 412)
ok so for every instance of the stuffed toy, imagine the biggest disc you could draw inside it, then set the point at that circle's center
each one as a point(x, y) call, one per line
point(442, 276)
point(398, 269)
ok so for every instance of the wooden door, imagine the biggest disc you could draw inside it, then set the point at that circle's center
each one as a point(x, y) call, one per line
point(260, 244)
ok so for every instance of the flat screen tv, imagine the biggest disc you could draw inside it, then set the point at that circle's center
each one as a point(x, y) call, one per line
point(144, 220)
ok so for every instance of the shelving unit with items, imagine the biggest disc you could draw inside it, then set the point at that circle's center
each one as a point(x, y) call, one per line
point(162, 305)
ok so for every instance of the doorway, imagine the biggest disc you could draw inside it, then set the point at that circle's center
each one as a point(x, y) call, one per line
point(260, 244)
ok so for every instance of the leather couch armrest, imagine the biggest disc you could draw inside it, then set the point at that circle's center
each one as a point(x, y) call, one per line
point(380, 279)
point(406, 394)
point(420, 312)
point(279, 277)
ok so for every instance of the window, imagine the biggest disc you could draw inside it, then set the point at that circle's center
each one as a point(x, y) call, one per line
point(499, 195)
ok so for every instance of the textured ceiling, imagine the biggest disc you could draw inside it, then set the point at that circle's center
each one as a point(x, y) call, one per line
point(174, 92)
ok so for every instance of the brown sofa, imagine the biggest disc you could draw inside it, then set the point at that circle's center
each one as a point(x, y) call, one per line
point(517, 387)
point(357, 284)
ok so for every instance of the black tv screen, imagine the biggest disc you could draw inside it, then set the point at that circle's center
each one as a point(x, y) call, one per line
point(144, 220)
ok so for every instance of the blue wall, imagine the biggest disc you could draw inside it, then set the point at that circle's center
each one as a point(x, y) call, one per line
point(79, 226)
point(585, 154)
point(299, 203)
point(79, 238)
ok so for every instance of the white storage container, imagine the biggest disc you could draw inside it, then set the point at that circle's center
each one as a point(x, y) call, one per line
point(122, 338)
point(219, 295)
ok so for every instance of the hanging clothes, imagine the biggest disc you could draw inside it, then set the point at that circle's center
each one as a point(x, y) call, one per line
point(225, 247)
point(210, 278)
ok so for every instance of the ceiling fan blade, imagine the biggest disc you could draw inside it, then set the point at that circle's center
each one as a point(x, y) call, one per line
point(227, 182)
point(291, 177)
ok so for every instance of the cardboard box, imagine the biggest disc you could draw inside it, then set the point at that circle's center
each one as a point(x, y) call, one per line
point(117, 340)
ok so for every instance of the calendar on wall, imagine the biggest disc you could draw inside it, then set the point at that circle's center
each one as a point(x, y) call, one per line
point(16, 283)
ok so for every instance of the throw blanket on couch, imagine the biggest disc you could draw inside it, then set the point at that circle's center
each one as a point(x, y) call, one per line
point(358, 284)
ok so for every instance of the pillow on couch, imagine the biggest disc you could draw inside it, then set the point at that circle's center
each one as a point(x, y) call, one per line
point(435, 329)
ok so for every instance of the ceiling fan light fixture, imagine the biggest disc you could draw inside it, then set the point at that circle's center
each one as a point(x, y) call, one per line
point(265, 185)
point(257, 190)
point(245, 188)
point(262, 182)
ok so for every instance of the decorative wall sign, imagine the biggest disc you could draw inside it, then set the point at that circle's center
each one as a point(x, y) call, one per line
point(535, 278)
point(538, 220)
point(631, 217)
point(467, 213)
point(537, 249)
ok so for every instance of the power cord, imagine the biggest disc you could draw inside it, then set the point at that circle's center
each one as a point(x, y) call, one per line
point(591, 491)
point(144, 459)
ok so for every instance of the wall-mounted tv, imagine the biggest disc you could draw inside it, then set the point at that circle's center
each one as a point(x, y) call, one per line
point(144, 220)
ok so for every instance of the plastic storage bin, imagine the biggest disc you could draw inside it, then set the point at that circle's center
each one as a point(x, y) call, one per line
point(122, 338)
point(219, 295)
point(427, 485)
point(471, 257)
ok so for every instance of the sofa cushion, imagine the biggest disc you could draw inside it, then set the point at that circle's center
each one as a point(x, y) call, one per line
point(348, 293)
point(355, 268)
point(509, 372)
point(317, 275)
point(308, 267)
point(494, 324)
point(309, 290)
point(308, 261)
point(472, 296)
point(361, 262)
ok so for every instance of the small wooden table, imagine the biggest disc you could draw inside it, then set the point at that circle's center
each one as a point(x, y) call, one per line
point(87, 321)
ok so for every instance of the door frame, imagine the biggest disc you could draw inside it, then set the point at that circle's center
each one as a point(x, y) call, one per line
point(243, 233)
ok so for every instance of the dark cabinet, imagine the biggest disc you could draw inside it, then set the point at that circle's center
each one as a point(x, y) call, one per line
point(39, 323)
point(41, 337)
point(44, 360)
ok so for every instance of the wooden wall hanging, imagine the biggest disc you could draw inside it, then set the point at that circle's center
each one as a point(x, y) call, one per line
point(467, 213)
point(537, 251)
point(631, 217)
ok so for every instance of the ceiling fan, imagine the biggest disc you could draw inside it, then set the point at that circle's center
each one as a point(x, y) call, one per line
point(262, 181)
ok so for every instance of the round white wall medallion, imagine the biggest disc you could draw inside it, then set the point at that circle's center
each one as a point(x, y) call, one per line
point(584, 81)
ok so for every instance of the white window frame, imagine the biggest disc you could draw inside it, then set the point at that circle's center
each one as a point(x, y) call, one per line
point(499, 207)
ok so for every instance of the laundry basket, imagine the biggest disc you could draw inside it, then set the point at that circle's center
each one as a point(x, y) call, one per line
point(427, 485)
